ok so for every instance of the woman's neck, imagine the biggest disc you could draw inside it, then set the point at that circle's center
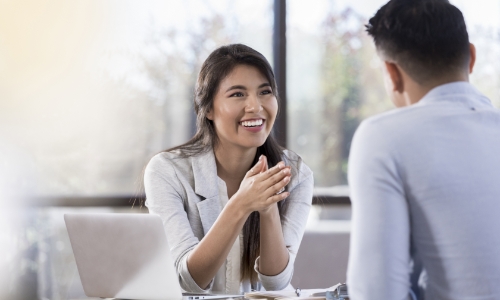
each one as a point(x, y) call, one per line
point(233, 162)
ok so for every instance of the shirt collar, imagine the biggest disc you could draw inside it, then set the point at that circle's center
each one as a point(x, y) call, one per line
point(205, 174)
point(460, 91)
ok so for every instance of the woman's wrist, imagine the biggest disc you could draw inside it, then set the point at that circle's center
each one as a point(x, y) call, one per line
point(236, 210)
point(270, 212)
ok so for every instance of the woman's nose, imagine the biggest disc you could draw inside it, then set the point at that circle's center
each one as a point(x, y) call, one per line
point(253, 104)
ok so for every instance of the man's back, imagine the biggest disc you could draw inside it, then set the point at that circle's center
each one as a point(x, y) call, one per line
point(426, 179)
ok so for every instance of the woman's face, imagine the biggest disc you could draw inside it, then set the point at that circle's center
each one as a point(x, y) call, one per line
point(244, 108)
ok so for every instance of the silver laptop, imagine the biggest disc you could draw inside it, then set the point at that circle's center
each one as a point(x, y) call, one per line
point(125, 256)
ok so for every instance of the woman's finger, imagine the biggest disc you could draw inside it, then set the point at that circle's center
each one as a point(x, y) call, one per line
point(274, 170)
point(264, 164)
point(275, 189)
point(277, 198)
point(256, 168)
point(277, 177)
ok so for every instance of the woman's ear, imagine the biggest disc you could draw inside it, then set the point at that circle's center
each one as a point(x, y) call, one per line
point(210, 115)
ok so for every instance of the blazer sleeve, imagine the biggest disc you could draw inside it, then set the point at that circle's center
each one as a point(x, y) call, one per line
point(293, 224)
point(165, 198)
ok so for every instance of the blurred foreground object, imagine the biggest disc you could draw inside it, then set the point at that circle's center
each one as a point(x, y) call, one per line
point(17, 241)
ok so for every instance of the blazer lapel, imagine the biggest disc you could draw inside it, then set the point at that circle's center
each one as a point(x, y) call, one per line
point(206, 186)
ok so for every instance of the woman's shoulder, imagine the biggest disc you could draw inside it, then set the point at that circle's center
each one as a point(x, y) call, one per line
point(169, 163)
point(299, 167)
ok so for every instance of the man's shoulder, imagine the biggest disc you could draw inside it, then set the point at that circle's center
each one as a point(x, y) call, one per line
point(400, 116)
point(390, 123)
point(388, 131)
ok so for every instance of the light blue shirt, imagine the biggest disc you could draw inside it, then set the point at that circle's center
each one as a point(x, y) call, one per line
point(425, 185)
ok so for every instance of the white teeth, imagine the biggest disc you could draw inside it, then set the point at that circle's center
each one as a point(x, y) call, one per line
point(252, 123)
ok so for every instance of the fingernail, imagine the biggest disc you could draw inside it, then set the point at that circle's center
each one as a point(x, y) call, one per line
point(281, 165)
point(287, 179)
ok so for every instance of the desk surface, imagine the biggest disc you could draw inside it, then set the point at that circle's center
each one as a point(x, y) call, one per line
point(94, 298)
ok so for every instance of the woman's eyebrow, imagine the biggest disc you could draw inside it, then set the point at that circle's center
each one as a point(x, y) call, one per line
point(242, 87)
point(236, 87)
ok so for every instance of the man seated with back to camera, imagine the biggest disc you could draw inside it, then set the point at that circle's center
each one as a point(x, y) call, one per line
point(424, 177)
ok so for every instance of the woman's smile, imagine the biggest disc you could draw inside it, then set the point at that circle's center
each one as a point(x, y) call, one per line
point(253, 125)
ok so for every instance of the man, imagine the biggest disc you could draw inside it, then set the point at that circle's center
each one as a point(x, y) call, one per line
point(425, 177)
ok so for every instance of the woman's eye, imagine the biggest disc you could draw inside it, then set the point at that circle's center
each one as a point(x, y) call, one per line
point(266, 92)
point(237, 94)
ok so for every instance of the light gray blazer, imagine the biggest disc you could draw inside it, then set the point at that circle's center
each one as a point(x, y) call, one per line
point(184, 193)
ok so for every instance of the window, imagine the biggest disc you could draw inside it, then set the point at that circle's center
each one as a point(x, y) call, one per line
point(335, 79)
point(90, 92)
point(93, 90)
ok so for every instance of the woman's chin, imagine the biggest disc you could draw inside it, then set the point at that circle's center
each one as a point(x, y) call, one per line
point(253, 143)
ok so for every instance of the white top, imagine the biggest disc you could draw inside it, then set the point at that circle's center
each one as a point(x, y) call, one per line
point(227, 280)
point(188, 195)
point(425, 186)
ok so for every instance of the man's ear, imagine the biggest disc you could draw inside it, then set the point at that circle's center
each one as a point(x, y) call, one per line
point(472, 61)
point(395, 76)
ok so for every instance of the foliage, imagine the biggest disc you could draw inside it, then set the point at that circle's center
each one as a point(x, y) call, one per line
point(351, 88)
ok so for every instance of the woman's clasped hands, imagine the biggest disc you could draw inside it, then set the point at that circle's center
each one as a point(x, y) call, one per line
point(261, 187)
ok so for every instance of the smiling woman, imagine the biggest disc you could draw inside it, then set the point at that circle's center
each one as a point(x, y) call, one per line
point(230, 226)
point(244, 108)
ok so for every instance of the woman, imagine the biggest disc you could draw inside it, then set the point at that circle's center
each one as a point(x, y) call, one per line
point(230, 222)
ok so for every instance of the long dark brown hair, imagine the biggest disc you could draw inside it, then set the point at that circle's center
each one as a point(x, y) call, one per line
point(215, 68)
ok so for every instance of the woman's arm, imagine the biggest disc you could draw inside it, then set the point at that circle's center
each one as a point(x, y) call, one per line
point(211, 252)
point(273, 253)
point(167, 198)
point(257, 192)
point(280, 238)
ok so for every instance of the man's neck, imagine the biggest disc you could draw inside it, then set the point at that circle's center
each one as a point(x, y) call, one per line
point(414, 91)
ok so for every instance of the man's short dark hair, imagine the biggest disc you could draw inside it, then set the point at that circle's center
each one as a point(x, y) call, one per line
point(427, 38)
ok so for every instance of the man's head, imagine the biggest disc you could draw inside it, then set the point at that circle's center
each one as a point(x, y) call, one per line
point(425, 40)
